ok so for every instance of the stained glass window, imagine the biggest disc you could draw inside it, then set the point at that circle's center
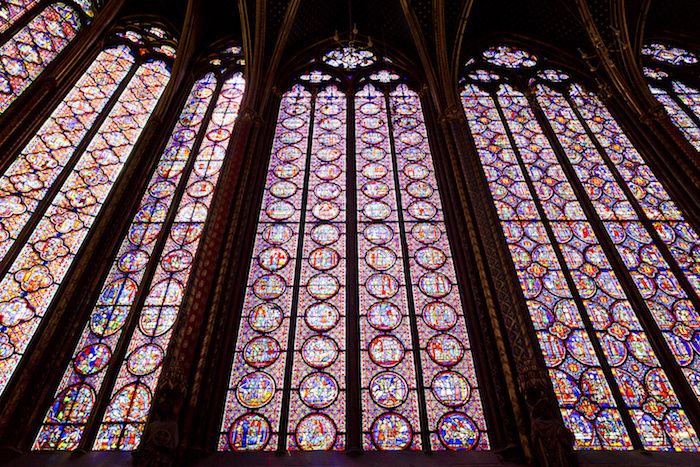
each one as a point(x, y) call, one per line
point(672, 77)
point(25, 54)
point(351, 251)
point(164, 235)
point(83, 171)
point(571, 207)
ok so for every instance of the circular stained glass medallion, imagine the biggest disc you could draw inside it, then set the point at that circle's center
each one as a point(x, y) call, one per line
point(379, 234)
point(416, 171)
point(319, 351)
point(328, 154)
point(322, 317)
point(420, 189)
point(269, 286)
point(330, 109)
point(286, 171)
point(250, 432)
point(380, 258)
point(283, 189)
point(327, 191)
point(133, 261)
point(458, 432)
point(293, 123)
point(382, 286)
point(324, 259)
point(277, 234)
point(386, 351)
point(435, 285)
point(265, 317)
point(370, 108)
point(384, 316)
point(318, 390)
point(376, 210)
point(92, 359)
point(255, 390)
point(261, 352)
point(315, 432)
point(375, 190)
point(430, 257)
point(439, 316)
point(323, 286)
point(145, 359)
point(326, 211)
point(373, 153)
point(451, 389)
point(325, 234)
point(374, 171)
point(426, 233)
point(388, 389)
point(328, 172)
point(445, 349)
point(280, 210)
point(157, 320)
point(422, 210)
point(410, 138)
point(330, 123)
point(176, 260)
point(289, 153)
point(391, 432)
point(273, 259)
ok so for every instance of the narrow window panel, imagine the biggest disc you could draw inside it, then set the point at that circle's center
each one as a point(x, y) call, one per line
point(254, 397)
point(390, 414)
point(453, 398)
point(585, 399)
point(82, 381)
point(646, 390)
point(12, 10)
point(28, 288)
point(665, 297)
point(27, 180)
point(132, 396)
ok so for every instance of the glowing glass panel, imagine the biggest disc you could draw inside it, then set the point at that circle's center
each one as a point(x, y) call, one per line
point(254, 399)
point(25, 55)
point(12, 10)
point(672, 55)
point(130, 403)
point(585, 400)
point(454, 409)
point(28, 288)
point(509, 57)
point(349, 57)
point(667, 300)
point(645, 388)
point(317, 404)
point(46, 156)
point(387, 350)
point(678, 116)
point(82, 381)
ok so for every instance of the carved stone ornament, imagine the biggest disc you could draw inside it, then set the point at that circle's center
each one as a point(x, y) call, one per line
point(161, 437)
point(552, 442)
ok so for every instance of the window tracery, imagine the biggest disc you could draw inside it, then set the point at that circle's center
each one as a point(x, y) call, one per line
point(351, 245)
point(155, 260)
point(572, 204)
point(28, 48)
point(671, 74)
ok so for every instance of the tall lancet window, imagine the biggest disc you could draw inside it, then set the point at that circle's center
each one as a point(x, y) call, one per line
point(56, 186)
point(141, 297)
point(351, 282)
point(32, 34)
point(601, 252)
point(672, 74)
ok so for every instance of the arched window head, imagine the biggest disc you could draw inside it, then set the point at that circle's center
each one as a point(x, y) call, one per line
point(351, 282)
point(155, 260)
point(32, 34)
point(672, 75)
point(599, 249)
